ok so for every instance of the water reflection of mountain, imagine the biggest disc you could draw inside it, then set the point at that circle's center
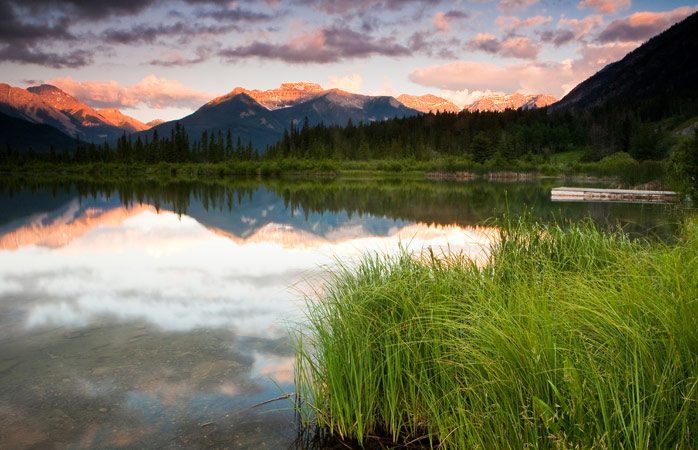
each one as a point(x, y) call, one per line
point(327, 209)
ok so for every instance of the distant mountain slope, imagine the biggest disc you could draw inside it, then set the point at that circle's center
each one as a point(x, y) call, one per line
point(248, 119)
point(120, 120)
point(25, 105)
point(48, 105)
point(90, 124)
point(22, 135)
point(512, 101)
point(428, 103)
point(336, 107)
point(666, 64)
point(241, 114)
point(154, 122)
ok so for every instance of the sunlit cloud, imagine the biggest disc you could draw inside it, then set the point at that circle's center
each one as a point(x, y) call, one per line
point(514, 5)
point(351, 84)
point(513, 23)
point(154, 92)
point(605, 6)
point(534, 77)
point(528, 77)
point(516, 47)
point(169, 58)
point(641, 26)
point(442, 21)
point(386, 88)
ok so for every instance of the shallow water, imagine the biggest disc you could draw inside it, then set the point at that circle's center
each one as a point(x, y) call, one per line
point(154, 316)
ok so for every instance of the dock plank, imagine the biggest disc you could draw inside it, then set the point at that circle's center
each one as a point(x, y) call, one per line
point(618, 195)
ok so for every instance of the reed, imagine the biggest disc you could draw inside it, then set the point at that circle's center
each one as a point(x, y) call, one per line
point(566, 337)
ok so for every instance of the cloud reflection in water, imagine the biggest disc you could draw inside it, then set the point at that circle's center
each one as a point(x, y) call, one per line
point(173, 272)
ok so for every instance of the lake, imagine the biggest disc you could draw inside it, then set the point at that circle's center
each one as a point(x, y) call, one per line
point(146, 315)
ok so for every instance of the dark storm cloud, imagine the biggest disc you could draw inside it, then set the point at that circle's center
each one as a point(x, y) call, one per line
point(641, 26)
point(512, 46)
point(181, 32)
point(487, 44)
point(97, 9)
point(557, 37)
point(456, 14)
point(426, 42)
point(41, 31)
point(624, 30)
point(326, 45)
point(20, 40)
point(342, 6)
point(236, 15)
point(15, 30)
point(28, 55)
point(202, 54)
point(84, 9)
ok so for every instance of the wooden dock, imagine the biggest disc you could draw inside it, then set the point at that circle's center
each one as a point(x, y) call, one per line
point(575, 194)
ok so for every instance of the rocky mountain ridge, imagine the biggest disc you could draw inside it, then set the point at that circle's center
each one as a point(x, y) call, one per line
point(85, 115)
point(25, 105)
point(288, 94)
point(49, 105)
point(511, 101)
point(428, 103)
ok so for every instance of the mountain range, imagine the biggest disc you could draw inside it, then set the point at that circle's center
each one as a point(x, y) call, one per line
point(665, 66)
point(513, 101)
point(253, 115)
point(246, 116)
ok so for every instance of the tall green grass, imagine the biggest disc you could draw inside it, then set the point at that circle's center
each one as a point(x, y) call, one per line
point(566, 338)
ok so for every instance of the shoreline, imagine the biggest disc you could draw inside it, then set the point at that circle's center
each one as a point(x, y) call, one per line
point(303, 169)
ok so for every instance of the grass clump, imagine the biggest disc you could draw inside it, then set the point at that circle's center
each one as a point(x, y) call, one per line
point(567, 337)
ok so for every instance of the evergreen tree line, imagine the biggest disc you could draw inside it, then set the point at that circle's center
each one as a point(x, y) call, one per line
point(175, 148)
point(641, 129)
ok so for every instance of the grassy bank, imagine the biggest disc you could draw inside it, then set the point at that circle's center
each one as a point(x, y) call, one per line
point(566, 338)
point(620, 166)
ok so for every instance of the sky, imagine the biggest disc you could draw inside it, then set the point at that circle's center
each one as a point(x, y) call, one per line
point(163, 59)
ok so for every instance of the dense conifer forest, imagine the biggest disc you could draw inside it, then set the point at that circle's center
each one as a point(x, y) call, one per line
point(651, 130)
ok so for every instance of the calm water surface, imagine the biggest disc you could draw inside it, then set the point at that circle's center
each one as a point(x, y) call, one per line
point(154, 316)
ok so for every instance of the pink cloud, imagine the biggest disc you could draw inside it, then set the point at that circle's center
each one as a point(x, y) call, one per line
point(513, 5)
point(441, 23)
point(351, 84)
point(154, 92)
point(519, 47)
point(581, 27)
point(605, 6)
point(571, 30)
point(556, 78)
point(516, 47)
point(386, 89)
point(641, 26)
point(513, 23)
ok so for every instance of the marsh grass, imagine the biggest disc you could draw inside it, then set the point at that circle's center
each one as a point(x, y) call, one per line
point(567, 337)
